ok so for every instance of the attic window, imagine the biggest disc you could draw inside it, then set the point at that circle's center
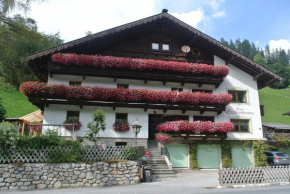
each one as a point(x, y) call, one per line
point(155, 46)
point(160, 46)
point(165, 47)
point(196, 51)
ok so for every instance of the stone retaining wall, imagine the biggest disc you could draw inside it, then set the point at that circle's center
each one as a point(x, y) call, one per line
point(40, 176)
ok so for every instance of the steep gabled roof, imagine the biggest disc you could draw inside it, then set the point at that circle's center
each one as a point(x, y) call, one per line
point(266, 76)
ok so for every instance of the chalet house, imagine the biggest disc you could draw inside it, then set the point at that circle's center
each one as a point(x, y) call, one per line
point(156, 69)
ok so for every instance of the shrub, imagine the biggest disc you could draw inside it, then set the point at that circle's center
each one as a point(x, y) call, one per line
point(9, 134)
point(98, 123)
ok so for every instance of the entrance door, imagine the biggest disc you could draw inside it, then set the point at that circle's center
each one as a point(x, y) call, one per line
point(178, 155)
point(208, 156)
point(242, 156)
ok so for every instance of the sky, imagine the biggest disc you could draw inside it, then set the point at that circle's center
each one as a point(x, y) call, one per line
point(260, 21)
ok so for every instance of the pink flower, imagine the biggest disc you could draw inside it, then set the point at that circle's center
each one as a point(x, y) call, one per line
point(139, 64)
point(96, 93)
point(162, 137)
point(147, 153)
point(195, 126)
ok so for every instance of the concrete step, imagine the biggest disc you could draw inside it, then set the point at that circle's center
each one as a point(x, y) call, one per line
point(160, 167)
point(158, 177)
point(157, 162)
point(157, 157)
point(162, 171)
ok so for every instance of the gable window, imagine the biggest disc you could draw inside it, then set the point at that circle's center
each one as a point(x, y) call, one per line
point(203, 118)
point(155, 46)
point(205, 91)
point(121, 117)
point(160, 46)
point(241, 125)
point(238, 96)
point(126, 86)
point(73, 115)
point(74, 83)
point(165, 47)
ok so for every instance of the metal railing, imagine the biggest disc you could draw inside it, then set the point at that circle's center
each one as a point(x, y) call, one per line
point(164, 151)
point(60, 128)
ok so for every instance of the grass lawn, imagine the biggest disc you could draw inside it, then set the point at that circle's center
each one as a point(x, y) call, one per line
point(14, 102)
point(275, 103)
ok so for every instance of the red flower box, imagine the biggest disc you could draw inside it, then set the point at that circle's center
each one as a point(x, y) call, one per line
point(195, 126)
point(96, 93)
point(121, 126)
point(139, 64)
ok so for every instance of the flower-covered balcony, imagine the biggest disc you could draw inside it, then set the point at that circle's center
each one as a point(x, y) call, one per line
point(44, 94)
point(193, 129)
point(140, 69)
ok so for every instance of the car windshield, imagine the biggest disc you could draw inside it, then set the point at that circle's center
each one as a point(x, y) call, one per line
point(281, 155)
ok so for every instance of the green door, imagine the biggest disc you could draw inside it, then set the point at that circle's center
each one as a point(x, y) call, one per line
point(242, 156)
point(208, 156)
point(178, 155)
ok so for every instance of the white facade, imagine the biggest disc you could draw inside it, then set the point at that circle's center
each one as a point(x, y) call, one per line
point(236, 80)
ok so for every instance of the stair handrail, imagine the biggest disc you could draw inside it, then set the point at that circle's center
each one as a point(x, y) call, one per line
point(164, 151)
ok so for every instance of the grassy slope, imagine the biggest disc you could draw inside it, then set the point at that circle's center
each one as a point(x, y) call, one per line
point(14, 102)
point(275, 103)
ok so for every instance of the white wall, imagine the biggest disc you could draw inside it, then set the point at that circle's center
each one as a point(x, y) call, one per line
point(240, 80)
point(237, 79)
point(56, 114)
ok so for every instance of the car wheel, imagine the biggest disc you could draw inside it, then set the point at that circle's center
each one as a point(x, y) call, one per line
point(271, 163)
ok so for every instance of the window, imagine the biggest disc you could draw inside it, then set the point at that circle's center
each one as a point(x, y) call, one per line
point(268, 154)
point(155, 46)
point(241, 125)
point(175, 89)
point(159, 46)
point(126, 86)
point(74, 83)
point(203, 118)
point(121, 117)
point(73, 115)
point(120, 143)
point(205, 91)
point(165, 47)
point(238, 96)
point(196, 51)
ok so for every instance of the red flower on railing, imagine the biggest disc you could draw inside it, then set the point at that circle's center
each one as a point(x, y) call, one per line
point(77, 125)
point(36, 127)
point(162, 137)
point(195, 126)
point(96, 93)
point(139, 64)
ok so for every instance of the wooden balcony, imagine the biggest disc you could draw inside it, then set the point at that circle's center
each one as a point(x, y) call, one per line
point(146, 76)
point(42, 102)
point(187, 135)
